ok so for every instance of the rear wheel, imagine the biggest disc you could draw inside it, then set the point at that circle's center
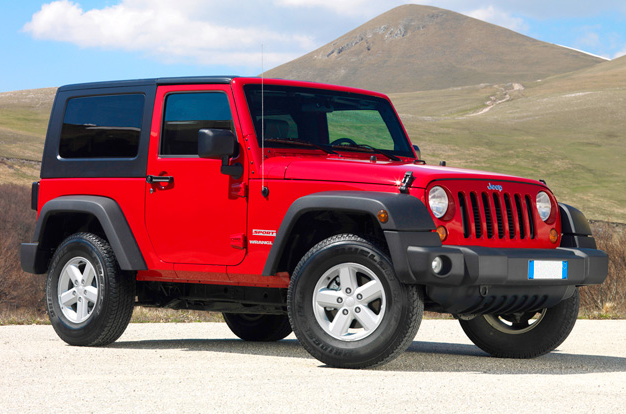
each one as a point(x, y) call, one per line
point(347, 307)
point(89, 299)
point(260, 328)
point(526, 334)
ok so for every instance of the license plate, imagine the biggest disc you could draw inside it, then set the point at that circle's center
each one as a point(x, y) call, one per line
point(547, 269)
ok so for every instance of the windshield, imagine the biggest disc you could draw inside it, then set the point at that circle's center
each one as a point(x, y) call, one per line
point(327, 119)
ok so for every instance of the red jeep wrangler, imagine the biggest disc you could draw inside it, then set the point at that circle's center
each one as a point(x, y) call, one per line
point(291, 205)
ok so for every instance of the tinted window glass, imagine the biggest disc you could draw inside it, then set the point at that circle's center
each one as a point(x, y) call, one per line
point(280, 126)
point(188, 113)
point(102, 127)
point(361, 126)
point(286, 116)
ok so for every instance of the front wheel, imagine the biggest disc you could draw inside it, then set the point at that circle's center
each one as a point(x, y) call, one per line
point(526, 334)
point(89, 299)
point(347, 307)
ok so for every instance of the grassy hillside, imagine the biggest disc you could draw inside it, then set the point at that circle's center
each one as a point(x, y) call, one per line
point(416, 47)
point(568, 130)
point(23, 122)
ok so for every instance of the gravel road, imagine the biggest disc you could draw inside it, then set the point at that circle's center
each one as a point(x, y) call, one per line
point(202, 367)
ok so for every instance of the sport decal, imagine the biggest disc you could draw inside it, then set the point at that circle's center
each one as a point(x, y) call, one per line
point(268, 233)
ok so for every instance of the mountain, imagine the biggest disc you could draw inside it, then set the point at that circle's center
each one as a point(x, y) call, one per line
point(414, 47)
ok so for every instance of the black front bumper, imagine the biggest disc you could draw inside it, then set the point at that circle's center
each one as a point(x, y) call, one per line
point(476, 266)
point(478, 279)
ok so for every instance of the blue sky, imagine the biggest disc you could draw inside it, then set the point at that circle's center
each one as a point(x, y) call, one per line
point(56, 42)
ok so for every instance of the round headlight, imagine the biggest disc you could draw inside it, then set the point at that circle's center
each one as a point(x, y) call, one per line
point(544, 206)
point(438, 201)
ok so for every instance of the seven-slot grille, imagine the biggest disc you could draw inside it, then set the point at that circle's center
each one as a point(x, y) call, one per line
point(498, 215)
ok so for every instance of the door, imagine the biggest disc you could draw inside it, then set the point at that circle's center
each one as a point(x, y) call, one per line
point(194, 213)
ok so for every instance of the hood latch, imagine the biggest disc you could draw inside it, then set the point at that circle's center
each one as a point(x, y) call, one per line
point(406, 182)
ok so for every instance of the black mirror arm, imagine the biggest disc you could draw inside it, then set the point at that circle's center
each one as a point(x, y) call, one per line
point(235, 170)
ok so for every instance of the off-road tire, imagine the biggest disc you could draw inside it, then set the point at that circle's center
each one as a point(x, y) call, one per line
point(400, 308)
point(112, 307)
point(258, 328)
point(551, 328)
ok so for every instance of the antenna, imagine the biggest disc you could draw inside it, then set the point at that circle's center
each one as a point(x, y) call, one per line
point(264, 190)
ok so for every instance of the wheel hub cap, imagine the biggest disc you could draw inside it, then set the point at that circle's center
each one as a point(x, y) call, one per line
point(349, 302)
point(78, 290)
point(516, 324)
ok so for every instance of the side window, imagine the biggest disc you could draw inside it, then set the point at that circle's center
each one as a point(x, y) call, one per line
point(102, 127)
point(188, 113)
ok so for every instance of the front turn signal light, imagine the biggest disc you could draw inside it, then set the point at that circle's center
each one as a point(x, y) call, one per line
point(443, 233)
point(554, 236)
point(383, 216)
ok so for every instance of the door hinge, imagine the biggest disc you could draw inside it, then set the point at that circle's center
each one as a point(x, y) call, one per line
point(238, 241)
point(239, 190)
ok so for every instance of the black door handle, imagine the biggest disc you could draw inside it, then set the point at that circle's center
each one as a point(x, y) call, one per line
point(159, 179)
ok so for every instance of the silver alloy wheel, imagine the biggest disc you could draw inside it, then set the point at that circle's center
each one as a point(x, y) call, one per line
point(78, 289)
point(349, 302)
point(515, 324)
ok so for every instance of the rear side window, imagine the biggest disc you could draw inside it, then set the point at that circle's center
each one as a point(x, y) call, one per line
point(102, 127)
point(188, 113)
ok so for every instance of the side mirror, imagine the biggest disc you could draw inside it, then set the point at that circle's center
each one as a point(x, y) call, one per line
point(417, 152)
point(220, 143)
point(216, 143)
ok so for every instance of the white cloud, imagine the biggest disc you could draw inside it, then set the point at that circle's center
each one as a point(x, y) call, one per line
point(590, 39)
point(500, 18)
point(620, 53)
point(166, 29)
point(350, 7)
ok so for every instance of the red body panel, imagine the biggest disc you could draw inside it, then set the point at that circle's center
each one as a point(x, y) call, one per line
point(127, 192)
point(191, 220)
point(267, 214)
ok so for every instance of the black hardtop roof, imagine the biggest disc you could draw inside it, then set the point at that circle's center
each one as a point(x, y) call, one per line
point(188, 80)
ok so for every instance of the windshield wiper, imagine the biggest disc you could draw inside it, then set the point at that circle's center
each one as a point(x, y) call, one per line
point(369, 147)
point(302, 142)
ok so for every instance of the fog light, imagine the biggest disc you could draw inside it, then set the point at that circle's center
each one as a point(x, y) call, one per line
point(443, 233)
point(437, 265)
point(554, 236)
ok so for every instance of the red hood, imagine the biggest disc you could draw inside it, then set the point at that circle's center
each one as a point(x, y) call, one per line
point(364, 171)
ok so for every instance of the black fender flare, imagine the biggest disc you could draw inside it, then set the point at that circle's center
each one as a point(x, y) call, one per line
point(111, 218)
point(406, 214)
point(575, 228)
